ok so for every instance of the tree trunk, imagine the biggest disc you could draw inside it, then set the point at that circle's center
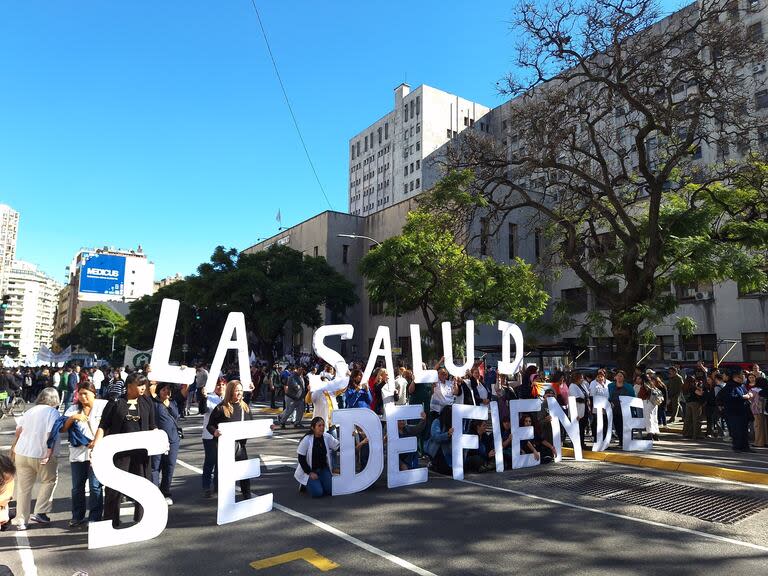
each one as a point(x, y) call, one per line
point(627, 340)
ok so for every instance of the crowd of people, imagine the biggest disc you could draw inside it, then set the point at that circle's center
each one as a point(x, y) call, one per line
point(88, 404)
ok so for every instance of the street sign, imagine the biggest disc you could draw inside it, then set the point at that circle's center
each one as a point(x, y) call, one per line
point(184, 348)
point(397, 350)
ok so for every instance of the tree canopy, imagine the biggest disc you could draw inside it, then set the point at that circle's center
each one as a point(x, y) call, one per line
point(95, 330)
point(425, 269)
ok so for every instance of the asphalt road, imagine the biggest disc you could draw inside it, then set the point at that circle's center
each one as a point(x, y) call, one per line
point(515, 522)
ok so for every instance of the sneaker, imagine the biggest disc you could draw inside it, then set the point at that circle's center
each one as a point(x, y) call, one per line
point(169, 501)
point(40, 518)
point(76, 523)
point(21, 526)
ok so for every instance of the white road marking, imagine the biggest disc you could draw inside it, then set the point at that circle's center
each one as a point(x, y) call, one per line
point(336, 532)
point(25, 551)
point(623, 517)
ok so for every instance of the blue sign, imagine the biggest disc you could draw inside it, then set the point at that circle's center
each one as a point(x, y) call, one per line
point(102, 274)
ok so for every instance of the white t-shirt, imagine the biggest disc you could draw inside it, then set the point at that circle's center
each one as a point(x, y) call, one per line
point(98, 378)
point(403, 384)
point(36, 426)
point(597, 389)
point(211, 401)
point(82, 453)
point(442, 396)
point(575, 391)
point(56, 379)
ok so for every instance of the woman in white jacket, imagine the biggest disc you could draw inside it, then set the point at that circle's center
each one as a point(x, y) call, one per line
point(314, 454)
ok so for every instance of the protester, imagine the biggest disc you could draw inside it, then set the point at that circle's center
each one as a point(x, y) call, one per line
point(134, 413)
point(757, 406)
point(644, 386)
point(737, 409)
point(674, 389)
point(357, 395)
point(210, 445)
point(167, 419)
point(410, 460)
point(7, 482)
point(693, 394)
point(315, 455)
point(579, 390)
point(82, 424)
point(294, 391)
point(35, 461)
point(482, 458)
point(616, 390)
point(233, 409)
point(439, 444)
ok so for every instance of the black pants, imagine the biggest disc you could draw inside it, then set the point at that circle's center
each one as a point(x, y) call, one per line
point(583, 424)
point(738, 426)
point(245, 484)
point(135, 462)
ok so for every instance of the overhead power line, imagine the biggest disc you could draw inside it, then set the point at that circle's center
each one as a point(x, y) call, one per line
point(288, 103)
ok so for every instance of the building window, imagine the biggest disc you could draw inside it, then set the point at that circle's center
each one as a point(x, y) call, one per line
point(512, 241)
point(316, 251)
point(466, 120)
point(412, 109)
point(755, 32)
point(418, 127)
point(755, 345)
point(418, 145)
point(503, 124)
point(418, 163)
point(448, 133)
point(405, 188)
point(418, 105)
point(411, 167)
point(483, 236)
point(575, 300)
point(761, 99)
point(537, 244)
point(418, 182)
point(411, 187)
point(366, 143)
point(386, 130)
point(358, 148)
point(353, 152)
point(380, 131)
point(411, 130)
point(405, 170)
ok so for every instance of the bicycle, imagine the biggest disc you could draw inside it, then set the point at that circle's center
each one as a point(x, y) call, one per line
point(11, 406)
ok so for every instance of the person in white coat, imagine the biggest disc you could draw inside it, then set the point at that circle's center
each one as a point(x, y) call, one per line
point(314, 453)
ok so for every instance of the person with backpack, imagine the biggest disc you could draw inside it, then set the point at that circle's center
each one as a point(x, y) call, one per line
point(294, 391)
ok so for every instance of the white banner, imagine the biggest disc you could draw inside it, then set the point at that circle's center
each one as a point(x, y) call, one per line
point(136, 358)
point(46, 356)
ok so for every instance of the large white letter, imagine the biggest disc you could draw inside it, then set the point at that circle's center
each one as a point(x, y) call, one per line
point(419, 376)
point(346, 331)
point(600, 404)
point(397, 446)
point(234, 326)
point(571, 427)
point(382, 346)
point(461, 441)
point(349, 482)
point(231, 471)
point(498, 447)
point(454, 370)
point(147, 495)
point(631, 423)
point(520, 433)
point(508, 330)
point(161, 351)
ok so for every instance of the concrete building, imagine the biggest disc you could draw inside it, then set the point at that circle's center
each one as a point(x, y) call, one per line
point(29, 319)
point(387, 160)
point(167, 281)
point(114, 277)
point(9, 231)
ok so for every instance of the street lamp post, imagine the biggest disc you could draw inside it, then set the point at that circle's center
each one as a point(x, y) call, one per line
point(114, 329)
point(397, 315)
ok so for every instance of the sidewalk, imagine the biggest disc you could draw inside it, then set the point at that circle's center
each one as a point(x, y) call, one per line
point(701, 457)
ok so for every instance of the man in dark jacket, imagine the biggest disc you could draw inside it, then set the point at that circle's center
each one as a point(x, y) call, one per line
point(735, 401)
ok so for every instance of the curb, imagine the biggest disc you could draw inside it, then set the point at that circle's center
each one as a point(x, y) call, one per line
point(671, 465)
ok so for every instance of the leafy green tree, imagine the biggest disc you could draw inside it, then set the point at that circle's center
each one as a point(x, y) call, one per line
point(425, 269)
point(95, 330)
point(271, 287)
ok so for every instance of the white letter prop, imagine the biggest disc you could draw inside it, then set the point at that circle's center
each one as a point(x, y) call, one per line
point(235, 324)
point(506, 366)
point(147, 495)
point(454, 370)
point(231, 471)
point(571, 427)
point(349, 482)
point(346, 331)
point(520, 433)
point(498, 448)
point(600, 404)
point(461, 441)
point(397, 446)
point(631, 423)
point(419, 376)
point(382, 346)
point(161, 351)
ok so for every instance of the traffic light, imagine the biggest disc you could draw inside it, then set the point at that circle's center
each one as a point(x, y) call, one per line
point(6, 301)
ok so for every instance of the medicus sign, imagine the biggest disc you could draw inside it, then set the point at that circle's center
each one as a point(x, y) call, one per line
point(102, 274)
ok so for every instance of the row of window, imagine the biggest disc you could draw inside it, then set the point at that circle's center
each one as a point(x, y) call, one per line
point(368, 141)
point(406, 167)
point(512, 249)
point(382, 185)
point(411, 108)
point(414, 129)
point(409, 186)
point(408, 150)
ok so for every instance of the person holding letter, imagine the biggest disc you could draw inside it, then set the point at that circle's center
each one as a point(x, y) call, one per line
point(315, 456)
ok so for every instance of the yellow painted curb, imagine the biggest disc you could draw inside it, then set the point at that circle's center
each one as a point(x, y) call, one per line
point(673, 465)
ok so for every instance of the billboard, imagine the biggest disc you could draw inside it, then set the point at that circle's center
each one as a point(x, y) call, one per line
point(102, 274)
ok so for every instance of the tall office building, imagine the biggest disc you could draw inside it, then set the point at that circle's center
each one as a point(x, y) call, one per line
point(388, 161)
point(9, 229)
point(28, 320)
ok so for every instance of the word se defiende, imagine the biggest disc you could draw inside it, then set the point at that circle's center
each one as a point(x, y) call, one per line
point(348, 481)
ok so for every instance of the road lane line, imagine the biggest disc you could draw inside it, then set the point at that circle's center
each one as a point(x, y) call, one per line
point(724, 539)
point(338, 533)
point(22, 543)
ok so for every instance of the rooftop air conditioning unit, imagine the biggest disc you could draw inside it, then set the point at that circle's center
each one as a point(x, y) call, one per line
point(703, 295)
point(690, 293)
point(675, 355)
point(692, 356)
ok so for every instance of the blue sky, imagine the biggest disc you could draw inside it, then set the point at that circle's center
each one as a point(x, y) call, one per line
point(163, 124)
